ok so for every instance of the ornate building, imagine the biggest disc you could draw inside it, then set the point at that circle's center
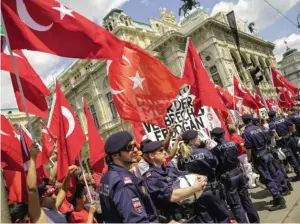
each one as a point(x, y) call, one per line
point(165, 39)
point(290, 65)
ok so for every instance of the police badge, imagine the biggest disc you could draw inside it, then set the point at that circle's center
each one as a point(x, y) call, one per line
point(137, 205)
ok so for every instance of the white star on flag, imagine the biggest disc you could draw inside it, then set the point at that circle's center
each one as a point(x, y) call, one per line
point(137, 80)
point(63, 11)
point(17, 136)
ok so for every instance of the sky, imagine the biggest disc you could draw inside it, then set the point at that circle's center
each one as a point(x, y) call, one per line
point(269, 24)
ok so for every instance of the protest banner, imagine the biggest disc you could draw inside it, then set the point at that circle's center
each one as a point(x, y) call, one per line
point(181, 115)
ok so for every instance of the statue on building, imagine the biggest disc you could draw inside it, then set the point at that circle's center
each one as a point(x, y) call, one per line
point(188, 5)
point(251, 27)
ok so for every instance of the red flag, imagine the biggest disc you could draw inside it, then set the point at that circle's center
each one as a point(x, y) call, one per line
point(284, 99)
point(280, 81)
point(32, 24)
point(70, 137)
point(226, 97)
point(47, 145)
point(259, 101)
point(138, 131)
point(142, 87)
point(270, 103)
point(15, 182)
point(239, 91)
point(34, 89)
point(202, 87)
point(96, 144)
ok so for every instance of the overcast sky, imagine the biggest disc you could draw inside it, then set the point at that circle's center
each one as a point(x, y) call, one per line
point(271, 25)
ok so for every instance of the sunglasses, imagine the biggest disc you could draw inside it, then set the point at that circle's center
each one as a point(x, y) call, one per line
point(160, 150)
point(130, 148)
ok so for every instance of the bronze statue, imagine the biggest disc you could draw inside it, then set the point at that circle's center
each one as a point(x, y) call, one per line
point(188, 5)
point(251, 27)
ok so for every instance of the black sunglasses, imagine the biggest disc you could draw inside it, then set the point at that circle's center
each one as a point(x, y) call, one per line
point(130, 147)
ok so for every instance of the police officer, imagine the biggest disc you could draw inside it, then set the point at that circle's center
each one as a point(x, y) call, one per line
point(256, 141)
point(230, 174)
point(162, 185)
point(284, 128)
point(122, 195)
point(195, 158)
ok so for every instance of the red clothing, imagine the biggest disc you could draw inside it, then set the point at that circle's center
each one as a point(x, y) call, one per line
point(238, 140)
point(66, 207)
point(80, 217)
point(97, 177)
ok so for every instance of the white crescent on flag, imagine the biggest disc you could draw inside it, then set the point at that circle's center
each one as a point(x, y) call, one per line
point(26, 18)
point(68, 115)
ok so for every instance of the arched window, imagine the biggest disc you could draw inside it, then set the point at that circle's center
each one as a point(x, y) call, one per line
point(215, 75)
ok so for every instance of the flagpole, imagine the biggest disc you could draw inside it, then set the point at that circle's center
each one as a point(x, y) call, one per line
point(85, 182)
point(16, 72)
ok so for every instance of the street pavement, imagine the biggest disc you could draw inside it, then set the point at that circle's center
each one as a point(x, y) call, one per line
point(261, 198)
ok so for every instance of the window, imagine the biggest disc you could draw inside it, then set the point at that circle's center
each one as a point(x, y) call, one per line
point(94, 115)
point(112, 105)
point(215, 76)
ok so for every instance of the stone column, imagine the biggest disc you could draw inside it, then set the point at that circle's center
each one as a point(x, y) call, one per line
point(5, 214)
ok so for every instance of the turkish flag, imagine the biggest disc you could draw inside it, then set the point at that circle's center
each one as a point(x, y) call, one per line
point(12, 155)
point(49, 26)
point(142, 87)
point(138, 131)
point(202, 87)
point(15, 182)
point(70, 137)
point(248, 98)
point(48, 142)
point(270, 103)
point(34, 89)
point(96, 143)
point(284, 99)
point(280, 81)
point(226, 97)
point(259, 101)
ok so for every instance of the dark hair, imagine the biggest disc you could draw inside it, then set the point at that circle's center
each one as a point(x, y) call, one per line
point(18, 212)
point(78, 193)
point(246, 121)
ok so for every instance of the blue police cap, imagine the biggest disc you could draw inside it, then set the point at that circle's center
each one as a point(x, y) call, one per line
point(247, 117)
point(152, 146)
point(117, 141)
point(255, 120)
point(189, 135)
point(217, 131)
point(271, 113)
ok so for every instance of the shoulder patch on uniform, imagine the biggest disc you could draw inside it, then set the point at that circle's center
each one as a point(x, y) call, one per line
point(127, 180)
point(137, 205)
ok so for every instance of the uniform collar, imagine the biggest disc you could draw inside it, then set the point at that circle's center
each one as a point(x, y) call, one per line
point(119, 168)
point(249, 125)
point(161, 170)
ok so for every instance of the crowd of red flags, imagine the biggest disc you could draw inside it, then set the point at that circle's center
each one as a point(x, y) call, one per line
point(139, 93)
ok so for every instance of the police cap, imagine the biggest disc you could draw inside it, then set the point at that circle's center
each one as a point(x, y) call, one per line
point(189, 135)
point(247, 117)
point(117, 141)
point(152, 146)
point(218, 132)
point(271, 113)
point(255, 120)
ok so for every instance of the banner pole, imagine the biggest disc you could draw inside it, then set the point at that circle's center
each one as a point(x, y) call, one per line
point(16, 72)
point(85, 182)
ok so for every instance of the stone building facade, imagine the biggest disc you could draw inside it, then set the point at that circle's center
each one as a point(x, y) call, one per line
point(165, 39)
point(290, 66)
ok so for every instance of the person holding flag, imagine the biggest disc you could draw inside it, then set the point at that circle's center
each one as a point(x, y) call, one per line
point(43, 203)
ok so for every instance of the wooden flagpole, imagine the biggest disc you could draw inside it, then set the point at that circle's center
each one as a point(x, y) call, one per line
point(16, 72)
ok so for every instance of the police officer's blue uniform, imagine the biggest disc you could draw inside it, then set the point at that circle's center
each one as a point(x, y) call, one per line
point(230, 174)
point(281, 126)
point(257, 140)
point(210, 206)
point(295, 118)
point(160, 183)
point(122, 195)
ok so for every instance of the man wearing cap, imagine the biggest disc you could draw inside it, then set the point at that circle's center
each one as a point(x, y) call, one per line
point(230, 174)
point(295, 118)
point(122, 196)
point(283, 129)
point(162, 185)
point(196, 158)
point(256, 141)
point(43, 203)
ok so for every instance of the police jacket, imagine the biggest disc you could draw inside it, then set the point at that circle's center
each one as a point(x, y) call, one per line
point(227, 155)
point(160, 183)
point(202, 162)
point(295, 118)
point(255, 138)
point(124, 199)
point(280, 125)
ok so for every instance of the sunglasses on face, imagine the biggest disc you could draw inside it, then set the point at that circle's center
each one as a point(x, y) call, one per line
point(160, 150)
point(130, 147)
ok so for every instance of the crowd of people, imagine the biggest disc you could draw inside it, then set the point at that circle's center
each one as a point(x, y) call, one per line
point(144, 180)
